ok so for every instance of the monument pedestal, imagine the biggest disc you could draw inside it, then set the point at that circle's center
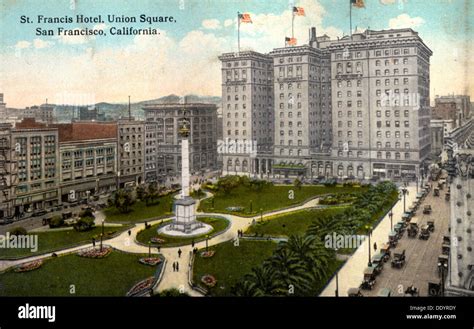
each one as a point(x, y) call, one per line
point(185, 220)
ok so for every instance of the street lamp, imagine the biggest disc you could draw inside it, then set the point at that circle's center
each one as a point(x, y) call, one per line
point(369, 233)
point(337, 278)
point(404, 191)
point(103, 220)
point(261, 214)
point(101, 236)
point(149, 249)
point(391, 218)
point(443, 267)
point(207, 242)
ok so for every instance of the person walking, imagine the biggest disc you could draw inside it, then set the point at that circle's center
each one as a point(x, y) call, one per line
point(192, 243)
point(179, 253)
point(129, 232)
point(93, 242)
point(375, 246)
point(177, 267)
point(174, 267)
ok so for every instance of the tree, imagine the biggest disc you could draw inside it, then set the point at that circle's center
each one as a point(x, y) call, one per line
point(123, 200)
point(56, 221)
point(84, 224)
point(297, 183)
point(228, 183)
point(151, 194)
point(141, 191)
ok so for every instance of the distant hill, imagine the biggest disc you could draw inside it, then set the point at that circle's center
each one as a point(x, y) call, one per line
point(113, 111)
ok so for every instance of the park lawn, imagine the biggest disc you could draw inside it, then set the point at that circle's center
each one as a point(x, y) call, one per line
point(141, 212)
point(270, 198)
point(294, 223)
point(230, 263)
point(114, 275)
point(58, 240)
point(218, 225)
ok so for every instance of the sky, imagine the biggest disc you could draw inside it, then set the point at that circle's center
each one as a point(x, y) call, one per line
point(183, 58)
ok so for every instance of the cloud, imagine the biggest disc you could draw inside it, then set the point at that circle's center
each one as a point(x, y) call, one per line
point(211, 24)
point(22, 44)
point(40, 43)
point(228, 22)
point(405, 21)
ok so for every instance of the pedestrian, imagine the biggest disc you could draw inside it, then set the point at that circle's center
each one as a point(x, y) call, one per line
point(93, 242)
point(177, 267)
point(192, 243)
point(174, 267)
point(129, 232)
point(375, 246)
point(159, 249)
point(179, 253)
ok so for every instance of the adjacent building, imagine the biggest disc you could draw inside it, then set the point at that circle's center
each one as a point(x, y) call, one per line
point(8, 173)
point(460, 272)
point(131, 152)
point(36, 150)
point(43, 113)
point(162, 141)
point(453, 107)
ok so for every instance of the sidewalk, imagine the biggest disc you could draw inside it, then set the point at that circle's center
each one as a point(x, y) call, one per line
point(351, 274)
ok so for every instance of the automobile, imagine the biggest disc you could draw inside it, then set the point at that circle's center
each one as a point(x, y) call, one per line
point(446, 239)
point(385, 250)
point(413, 228)
point(6, 220)
point(393, 239)
point(436, 191)
point(369, 279)
point(424, 232)
point(442, 262)
point(412, 291)
point(406, 217)
point(38, 213)
point(67, 214)
point(315, 181)
point(377, 262)
point(400, 229)
point(398, 259)
point(402, 223)
point(447, 196)
point(354, 292)
point(384, 292)
point(287, 181)
point(445, 248)
point(431, 225)
point(427, 209)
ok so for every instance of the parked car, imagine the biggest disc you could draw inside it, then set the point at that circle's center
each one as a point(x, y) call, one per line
point(369, 279)
point(38, 213)
point(354, 292)
point(427, 209)
point(424, 232)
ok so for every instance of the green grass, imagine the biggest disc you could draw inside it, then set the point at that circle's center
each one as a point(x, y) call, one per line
point(218, 225)
point(141, 212)
point(111, 276)
point(294, 223)
point(270, 198)
point(57, 240)
point(231, 263)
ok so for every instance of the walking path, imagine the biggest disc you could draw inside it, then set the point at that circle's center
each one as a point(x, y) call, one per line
point(170, 279)
point(351, 274)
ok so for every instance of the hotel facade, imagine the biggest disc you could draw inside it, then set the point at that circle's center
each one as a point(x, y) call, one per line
point(353, 107)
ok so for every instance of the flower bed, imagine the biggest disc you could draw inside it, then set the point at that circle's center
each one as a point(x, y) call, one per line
point(29, 266)
point(141, 287)
point(208, 254)
point(209, 280)
point(95, 252)
point(156, 239)
point(152, 261)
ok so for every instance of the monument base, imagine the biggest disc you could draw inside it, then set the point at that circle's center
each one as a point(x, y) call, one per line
point(185, 220)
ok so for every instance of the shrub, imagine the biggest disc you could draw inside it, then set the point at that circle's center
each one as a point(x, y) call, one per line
point(84, 224)
point(18, 231)
point(87, 213)
point(56, 221)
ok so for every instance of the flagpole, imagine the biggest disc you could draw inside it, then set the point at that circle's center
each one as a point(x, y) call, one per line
point(293, 24)
point(350, 18)
point(238, 32)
